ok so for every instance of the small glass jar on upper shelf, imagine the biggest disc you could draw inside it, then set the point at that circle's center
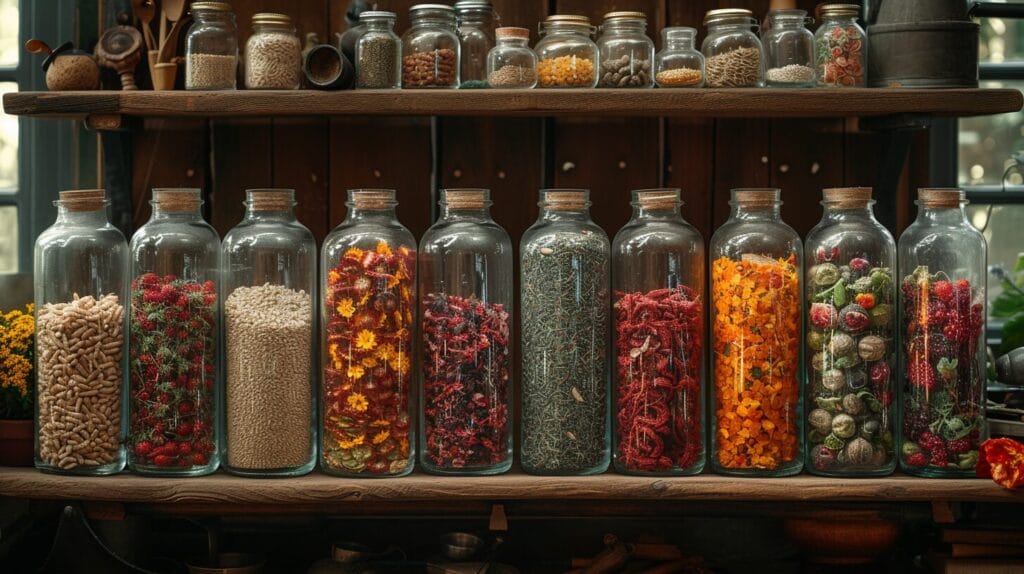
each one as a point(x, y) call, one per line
point(789, 50)
point(733, 56)
point(512, 64)
point(679, 64)
point(567, 56)
point(81, 289)
point(211, 48)
point(476, 38)
point(626, 52)
point(840, 47)
point(273, 54)
point(430, 48)
point(378, 52)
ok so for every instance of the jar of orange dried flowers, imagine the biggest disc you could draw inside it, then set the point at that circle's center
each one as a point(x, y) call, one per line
point(755, 339)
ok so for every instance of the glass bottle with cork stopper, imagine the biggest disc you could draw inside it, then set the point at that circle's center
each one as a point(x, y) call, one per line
point(174, 364)
point(211, 48)
point(466, 296)
point(733, 56)
point(564, 283)
point(851, 337)
point(511, 63)
point(679, 64)
point(626, 52)
point(368, 282)
point(658, 274)
point(942, 264)
point(840, 47)
point(269, 274)
point(567, 56)
point(81, 287)
point(476, 37)
point(430, 48)
point(756, 349)
point(378, 52)
point(273, 54)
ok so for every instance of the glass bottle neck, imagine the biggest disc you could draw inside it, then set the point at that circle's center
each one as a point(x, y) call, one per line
point(756, 212)
point(655, 213)
point(371, 215)
point(474, 213)
point(942, 215)
point(279, 28)
point(276, 215)
point(74, 217)
point(839, 21)
point(679, 43)
point(625, 27)
point(217, 17)
point(515, 42)
point(447, 22)
point(786, 22)
point(476, 19)
point(379, 25)
point(178, 214)
point(556, 213)
point(835, 213)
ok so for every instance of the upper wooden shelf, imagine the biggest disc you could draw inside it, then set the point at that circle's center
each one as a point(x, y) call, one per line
point(748, 103)
point(316, 488)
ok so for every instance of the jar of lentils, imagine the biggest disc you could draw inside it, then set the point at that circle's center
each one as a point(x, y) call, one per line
point(789, 50)
point(430, 48)
point(512, 64)
point(732, 51)
point(839, 47)
point(626, 51)
point(476, 34)
point(378, 52)
point(273, 54)
point(679, 64)
point(567, 56)
point(211, 48)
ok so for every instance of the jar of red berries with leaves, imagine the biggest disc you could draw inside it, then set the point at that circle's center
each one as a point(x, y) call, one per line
point(942, 261)
point(465, 286)
point(658, 277)
point(174, 393)
point(368, 281)
point(850, 302)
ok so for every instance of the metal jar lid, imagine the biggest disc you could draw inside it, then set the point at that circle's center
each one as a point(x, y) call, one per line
point(377, 15)
point(568, 19)
point(850, 10)
point(716, 15)
point(625, 15)
point(271, 18)
point(211, 7)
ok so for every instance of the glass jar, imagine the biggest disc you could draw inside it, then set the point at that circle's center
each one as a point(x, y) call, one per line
point(840, 47)
point(378, 52)
point(658, 284)
point(174, 396)
point(211, 48)
point(755, 339)
point(476, 37)
point(430, 48)
point(273, 54)
point(81, 285)
point(942, 260)
point(269, 274)
point(567, 57)
point(465, 290)
point(512, 64)
point(679, 64)
point(732, 51)
point(789, 50)
point(565, 274)
point(368, 280)
point(851, 333)
point(626, 53)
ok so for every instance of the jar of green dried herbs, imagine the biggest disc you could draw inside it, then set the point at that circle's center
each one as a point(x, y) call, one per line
point(564, 260)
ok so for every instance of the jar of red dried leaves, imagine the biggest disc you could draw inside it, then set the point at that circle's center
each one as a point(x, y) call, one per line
point(942, 261)
point(756, 346)
point(173, 366)
point(465, 268)
point(851, 337)
point(368, 280)
point(840, 46)
point(658, 274)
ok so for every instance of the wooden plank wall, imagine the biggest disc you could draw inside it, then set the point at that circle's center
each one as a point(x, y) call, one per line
point(323, 157)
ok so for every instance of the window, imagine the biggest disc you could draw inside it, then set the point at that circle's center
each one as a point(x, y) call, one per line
point(10, 196)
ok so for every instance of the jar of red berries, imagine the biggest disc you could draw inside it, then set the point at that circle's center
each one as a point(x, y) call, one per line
point(174, 395)
point(850, 298)
point(465, 287)
point(942, 312)
point(658, 275)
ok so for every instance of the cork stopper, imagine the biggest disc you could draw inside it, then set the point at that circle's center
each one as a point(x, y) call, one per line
point(940, 197)
point(270, 199)
point(847, 197)
point(512, 32)
point(371, 198)
point(83, 199)
point(565, 199)
point(465, 198)
point(657, 199)
point(756, 197)
point(177, 200)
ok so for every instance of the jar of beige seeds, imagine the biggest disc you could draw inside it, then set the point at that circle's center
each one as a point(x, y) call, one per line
point(211, 48)
point(273, 54)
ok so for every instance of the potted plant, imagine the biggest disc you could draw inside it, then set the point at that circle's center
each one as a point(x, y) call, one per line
point(17, 379)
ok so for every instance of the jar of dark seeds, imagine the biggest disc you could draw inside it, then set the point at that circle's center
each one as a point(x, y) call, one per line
point(512, 64)
point(565, 296)
point(273, 54)
point(626, 53)
point(378, 52)
point(732, 52)
point(430, 48)
point(211, 48)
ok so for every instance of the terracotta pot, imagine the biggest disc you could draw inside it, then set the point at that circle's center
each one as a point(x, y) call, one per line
point(842, 541)
point(16, 446)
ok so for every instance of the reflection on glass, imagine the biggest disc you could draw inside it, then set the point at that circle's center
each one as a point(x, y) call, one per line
point(8, 143)
point(987, 142)
point(8, 239)
point(1004, 233)
point(9, 48)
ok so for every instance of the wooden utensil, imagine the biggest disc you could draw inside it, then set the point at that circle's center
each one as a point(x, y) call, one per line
point(120, 49)
point(170, 46)
point(172, 11)
point(145, 10)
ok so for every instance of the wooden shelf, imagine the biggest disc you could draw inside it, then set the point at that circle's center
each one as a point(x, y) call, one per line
point(315, 489)
point(592, 102)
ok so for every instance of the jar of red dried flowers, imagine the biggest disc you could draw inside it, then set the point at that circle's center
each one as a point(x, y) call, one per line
point(465, 268)
point(368, 280)
point(564, 282)
point(851, 338)
point(658, 271)
point(756, 348)
point(840, 46)
point(942, 260)
point(174, 396)
point(269, 263)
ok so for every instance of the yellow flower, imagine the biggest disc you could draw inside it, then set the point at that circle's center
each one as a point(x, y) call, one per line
point(369, 362)
point(386, 352)
point(357, 402)
point(347, 444)
point(393, 281)
point(366, 340)
point(333, 276)
point(381, 437)
point(383, 249)
point(346, 308)
point(355, 371)
point(380, 423)
point(402, 363)
point(353, 253)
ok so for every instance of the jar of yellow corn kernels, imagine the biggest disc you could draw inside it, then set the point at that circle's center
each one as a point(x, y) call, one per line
point(567, 56)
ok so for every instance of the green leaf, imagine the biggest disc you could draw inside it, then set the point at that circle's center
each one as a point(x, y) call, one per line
point(1013, 334)
point(1019, 266)
point(1007, 304)
point(839, 297)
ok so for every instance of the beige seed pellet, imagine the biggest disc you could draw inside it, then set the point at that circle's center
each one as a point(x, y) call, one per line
point(513, 76)
point(790, 74)
point(80, 345)
point(269, 377)
point(210, 72)
point(273, 61)
point(739, 68)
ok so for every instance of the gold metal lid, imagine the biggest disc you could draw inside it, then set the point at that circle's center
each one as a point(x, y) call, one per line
point(83, 199)
point(465, 198)
point(372, 198)
point(570, 199)
point(940, 197)
point(271, 18)
point(838, 10)
point(847, 197)
point(725, 13)
point(568, 19)
point(756, 197)
point(211, 6)
point(177, 199)
point(512, 32)
point(270, 199)
point(625, 15)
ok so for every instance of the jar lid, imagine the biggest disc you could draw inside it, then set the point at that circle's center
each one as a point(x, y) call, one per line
point(726, 14)
point(568, 18)
point(847, 196)
point(270, 199)
point(464, 5)
point(271, 18)
point(512, 32)
point(940, 196)
point(177, 199)
point(756, 197)
point(430, 8)
point(83, 199)
point(466, 198)
point(838, 10)
point(377, 15)
point(625, 15)
point(571, 199)
point(668, 198)
point(372, 198)
point(211, 6)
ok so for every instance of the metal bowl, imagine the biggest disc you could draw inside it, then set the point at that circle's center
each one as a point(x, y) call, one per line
point(230, 563)
point(348, 552)
point(461, 545)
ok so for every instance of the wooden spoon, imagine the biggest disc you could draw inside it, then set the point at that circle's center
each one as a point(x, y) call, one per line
point(171, 42)
point(37, 47)
point(145, 10)
point(173, 9)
